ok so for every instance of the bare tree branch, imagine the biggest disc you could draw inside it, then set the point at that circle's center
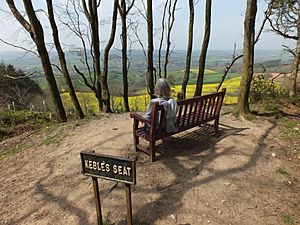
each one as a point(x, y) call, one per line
point(20, 77)
point(19, 47)
point(130, 7)
point(140, 11)
point(92, 87)
point(18, 16)
point(280, 32)
point(289, 50)
point(162, 37)
point(56, 66)
point(227, 68)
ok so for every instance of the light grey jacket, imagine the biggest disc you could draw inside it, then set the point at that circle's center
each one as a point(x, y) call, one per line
point(171, 109)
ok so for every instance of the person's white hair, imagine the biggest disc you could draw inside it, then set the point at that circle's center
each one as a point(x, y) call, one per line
point(162, 88)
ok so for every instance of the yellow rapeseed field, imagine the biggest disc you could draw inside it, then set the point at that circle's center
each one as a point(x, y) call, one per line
point(207, 72)
point(139, 103)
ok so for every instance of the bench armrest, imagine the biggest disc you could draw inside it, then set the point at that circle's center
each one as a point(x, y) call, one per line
point(140, 118)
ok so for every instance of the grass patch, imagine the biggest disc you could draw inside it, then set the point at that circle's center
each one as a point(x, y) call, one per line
point(286, 219)
point(18, 122)
point(14, 150)
point(55, 139)
point(282, 171)
point(288, 131)
point(106, 222)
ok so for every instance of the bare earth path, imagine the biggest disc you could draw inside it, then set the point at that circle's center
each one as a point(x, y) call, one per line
point(246, 175)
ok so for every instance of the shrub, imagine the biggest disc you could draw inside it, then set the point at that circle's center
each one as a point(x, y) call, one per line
point(18, 122)
point(8, 118)
point(262, 89)
point(16, 89)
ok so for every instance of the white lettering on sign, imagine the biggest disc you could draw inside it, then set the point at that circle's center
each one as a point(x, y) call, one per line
point(105, 167)
point(122, 170)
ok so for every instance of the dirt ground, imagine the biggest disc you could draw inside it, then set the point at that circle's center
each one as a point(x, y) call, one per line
point(245, 175)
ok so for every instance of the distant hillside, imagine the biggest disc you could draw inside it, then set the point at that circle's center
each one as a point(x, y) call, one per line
point(214, 59)
point(215, 64)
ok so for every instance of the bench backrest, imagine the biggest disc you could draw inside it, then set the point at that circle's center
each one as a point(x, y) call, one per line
point(198, 110)
point(191, 112)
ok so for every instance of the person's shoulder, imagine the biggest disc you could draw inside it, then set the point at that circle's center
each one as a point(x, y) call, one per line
point(157, 100)
point(172, 100)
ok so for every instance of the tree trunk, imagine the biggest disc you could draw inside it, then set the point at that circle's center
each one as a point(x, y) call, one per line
point(202, 58)
point(162, 37)
point(91, 14)
point(98, 94)
point(150, 80)
point(123, 15)
point(171, 20)
point(62, 60)
point(103, 77)
point(36, 32)
point(248, 60)
point(188, 51)
point(293, 89)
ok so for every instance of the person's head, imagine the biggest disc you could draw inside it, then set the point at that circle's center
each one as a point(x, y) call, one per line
point(162, 88)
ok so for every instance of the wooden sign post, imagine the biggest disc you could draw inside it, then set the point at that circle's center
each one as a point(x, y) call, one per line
point(110, 168)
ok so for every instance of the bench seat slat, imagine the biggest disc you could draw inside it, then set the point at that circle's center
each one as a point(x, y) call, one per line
point(142, 132)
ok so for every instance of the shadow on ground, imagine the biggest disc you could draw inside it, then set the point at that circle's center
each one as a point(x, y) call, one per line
point(188, 146)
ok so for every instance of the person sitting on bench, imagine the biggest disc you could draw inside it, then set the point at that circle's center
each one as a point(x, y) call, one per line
point(163, 91)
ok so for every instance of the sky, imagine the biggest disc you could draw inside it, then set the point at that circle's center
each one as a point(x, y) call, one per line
point(226, 27)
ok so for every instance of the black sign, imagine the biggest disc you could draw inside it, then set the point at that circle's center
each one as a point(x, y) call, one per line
point(108, 167)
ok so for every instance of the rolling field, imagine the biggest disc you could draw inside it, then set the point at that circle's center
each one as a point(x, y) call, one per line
point(210, 76)
point(140, 102)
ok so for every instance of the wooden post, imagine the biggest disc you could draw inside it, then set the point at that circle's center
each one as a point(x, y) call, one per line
point(97, 200)
point(129, 206)
point(91, 167)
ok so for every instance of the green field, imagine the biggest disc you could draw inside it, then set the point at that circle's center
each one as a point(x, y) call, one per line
point(137, 80)
point(210, 76)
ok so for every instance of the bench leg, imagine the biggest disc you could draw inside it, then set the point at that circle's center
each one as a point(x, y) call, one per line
point(152, 150)
point(135, 137)
point(136, 141)
point(216, 125)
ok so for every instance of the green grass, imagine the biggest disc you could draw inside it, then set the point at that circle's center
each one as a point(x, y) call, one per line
point(288, 131)
point(14, 150)
point(210, 76)
point(105, 222)
point(55, 139)
point(282, 171)
point(18, 122)
point(286, 219)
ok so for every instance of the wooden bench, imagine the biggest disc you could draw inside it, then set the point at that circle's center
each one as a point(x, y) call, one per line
point(192, 112)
